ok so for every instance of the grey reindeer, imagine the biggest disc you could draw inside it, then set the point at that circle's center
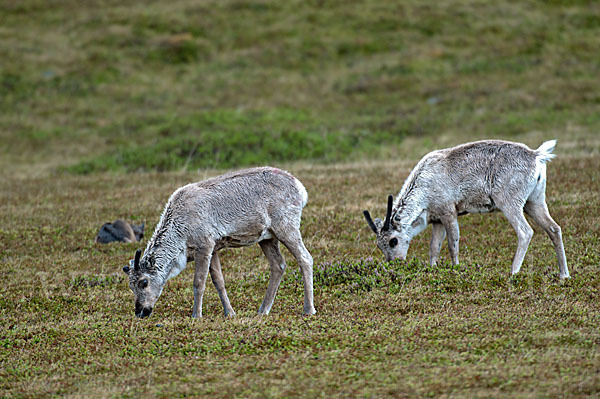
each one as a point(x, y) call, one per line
point(120, 231)
point(478, 177)
point(259, 205)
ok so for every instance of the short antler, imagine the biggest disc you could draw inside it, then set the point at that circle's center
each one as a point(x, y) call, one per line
point(370, 221)
point(386, 224)
point(136, 261)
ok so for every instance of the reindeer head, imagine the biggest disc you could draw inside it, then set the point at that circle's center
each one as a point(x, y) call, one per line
point(145, 286)
point(392, 241)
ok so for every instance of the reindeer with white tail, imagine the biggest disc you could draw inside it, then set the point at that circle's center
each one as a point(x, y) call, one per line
point(478, 177)
point(260, 205)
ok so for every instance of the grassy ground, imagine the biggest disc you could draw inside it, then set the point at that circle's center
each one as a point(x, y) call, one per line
point(381, 329)
point(154, 85)
point(107, 108)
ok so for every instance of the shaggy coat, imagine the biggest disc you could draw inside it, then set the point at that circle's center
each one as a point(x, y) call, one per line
point(259, 205)
point(478, 177)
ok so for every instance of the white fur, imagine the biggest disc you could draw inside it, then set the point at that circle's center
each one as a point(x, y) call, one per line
point(241, 208)
point(178, 264)
point(302, 190)
point(477, 177)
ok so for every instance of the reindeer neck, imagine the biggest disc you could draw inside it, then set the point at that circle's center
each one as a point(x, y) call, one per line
point(413, 198)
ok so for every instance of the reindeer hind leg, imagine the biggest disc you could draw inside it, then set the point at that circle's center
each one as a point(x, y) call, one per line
point(540, 214)
point(277, 265)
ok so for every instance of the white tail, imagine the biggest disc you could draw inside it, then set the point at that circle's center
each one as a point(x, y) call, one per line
point(545, 151)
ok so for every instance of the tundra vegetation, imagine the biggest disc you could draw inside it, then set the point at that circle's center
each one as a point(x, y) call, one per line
point(107, 108)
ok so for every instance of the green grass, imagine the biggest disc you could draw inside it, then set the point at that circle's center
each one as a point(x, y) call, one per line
point(229, 139)
point(108, 107)
point(120, 87)
point(397, 329)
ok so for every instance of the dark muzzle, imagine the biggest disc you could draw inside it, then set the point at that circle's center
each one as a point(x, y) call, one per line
point(142, 312)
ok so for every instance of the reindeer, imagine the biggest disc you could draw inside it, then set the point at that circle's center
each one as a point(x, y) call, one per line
point(238, 209)
point(120, 231)
point(478, 177)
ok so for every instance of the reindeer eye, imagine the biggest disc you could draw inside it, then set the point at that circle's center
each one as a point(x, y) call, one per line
point(393, 242)
point(143, 283)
